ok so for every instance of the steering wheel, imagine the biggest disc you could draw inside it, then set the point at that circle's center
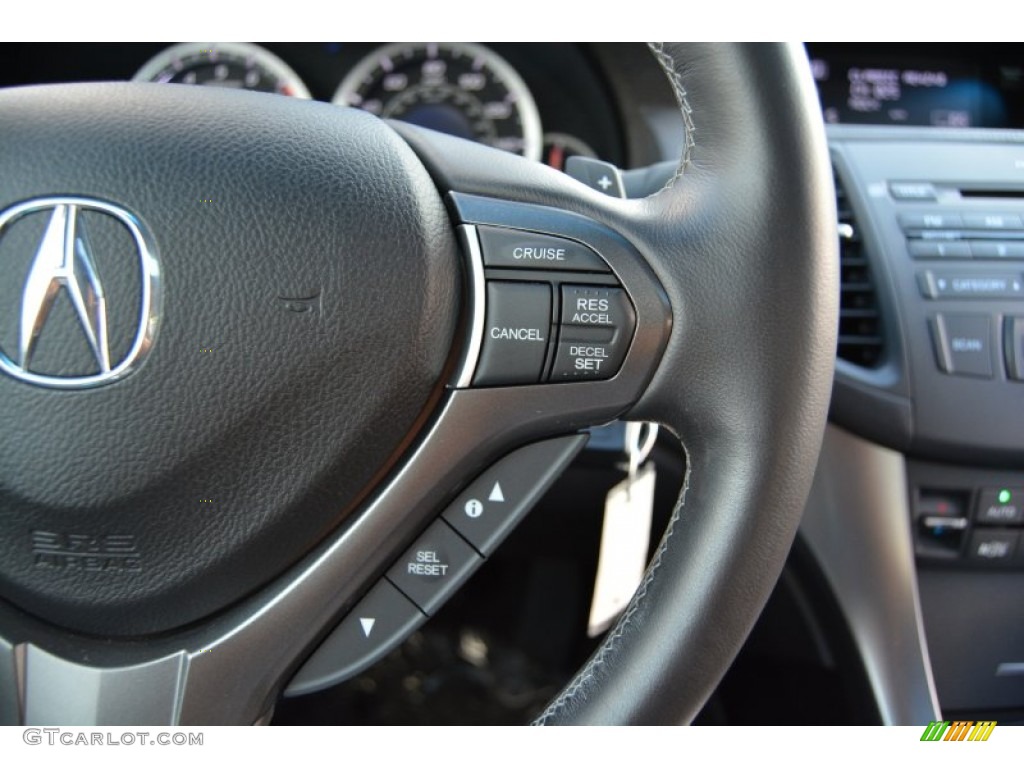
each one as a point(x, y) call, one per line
point(268, 382)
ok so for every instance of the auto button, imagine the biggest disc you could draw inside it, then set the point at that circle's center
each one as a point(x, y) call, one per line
point(1000, 506)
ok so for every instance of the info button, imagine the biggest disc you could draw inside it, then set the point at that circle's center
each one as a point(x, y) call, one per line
point(518, 249)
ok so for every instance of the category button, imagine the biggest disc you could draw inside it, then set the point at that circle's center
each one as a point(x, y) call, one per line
point(518, 249)
point(596, 307)
point(954, 285)
point(434, 567)
point(912, 190)
point(515, 334)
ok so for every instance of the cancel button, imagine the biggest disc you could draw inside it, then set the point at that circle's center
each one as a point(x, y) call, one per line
point(516, 333)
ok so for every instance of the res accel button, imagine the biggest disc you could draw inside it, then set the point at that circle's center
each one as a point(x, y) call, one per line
point(596, 306)
point(515, 333)
point(518, 249)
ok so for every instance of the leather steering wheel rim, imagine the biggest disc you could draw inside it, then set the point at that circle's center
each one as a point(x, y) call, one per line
point(743, 239)
point(749, 476)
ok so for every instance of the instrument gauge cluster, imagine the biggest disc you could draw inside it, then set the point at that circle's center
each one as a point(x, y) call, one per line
point(467, 90)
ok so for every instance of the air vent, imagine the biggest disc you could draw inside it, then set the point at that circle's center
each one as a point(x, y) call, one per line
point(860, 323)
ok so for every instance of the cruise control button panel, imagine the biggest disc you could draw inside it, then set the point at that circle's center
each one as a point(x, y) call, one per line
point(545, 322)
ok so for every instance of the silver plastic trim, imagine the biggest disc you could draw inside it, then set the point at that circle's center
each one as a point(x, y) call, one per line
point(10, 693)
point(149, 693)
point(150, 303)
point(1010, 668)
point(475, 301)
point(858, 525)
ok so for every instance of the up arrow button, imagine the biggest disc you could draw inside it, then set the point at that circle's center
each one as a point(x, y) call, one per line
point(496, 494)
point(511, 488)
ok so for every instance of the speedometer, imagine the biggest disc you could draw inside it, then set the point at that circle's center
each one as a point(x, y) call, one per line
point(463, 89)
point(224, 65)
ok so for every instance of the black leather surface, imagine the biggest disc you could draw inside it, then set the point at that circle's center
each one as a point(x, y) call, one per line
point(288, 418)
point(744, 240)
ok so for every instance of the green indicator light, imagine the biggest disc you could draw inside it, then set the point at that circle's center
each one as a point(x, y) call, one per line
point(1005, 496)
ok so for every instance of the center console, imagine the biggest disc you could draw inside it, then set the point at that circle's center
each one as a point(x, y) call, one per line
point(932, 366)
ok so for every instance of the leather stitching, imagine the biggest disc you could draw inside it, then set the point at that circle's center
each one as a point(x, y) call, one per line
point(668, 65)
point(611, 641)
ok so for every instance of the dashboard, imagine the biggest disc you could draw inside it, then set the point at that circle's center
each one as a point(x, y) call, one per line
point(922, 472)
point(530, 98)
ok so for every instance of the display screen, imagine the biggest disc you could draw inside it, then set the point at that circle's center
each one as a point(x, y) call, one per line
point(898, 93)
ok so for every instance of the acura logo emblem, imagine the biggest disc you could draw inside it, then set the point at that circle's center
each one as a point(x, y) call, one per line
point(65, 269)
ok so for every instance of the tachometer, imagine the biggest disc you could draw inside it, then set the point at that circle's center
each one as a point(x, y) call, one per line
point(226, 65)
point(463, 89)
